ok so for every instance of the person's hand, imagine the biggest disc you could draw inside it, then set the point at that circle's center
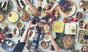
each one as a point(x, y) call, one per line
point(36, 13)
point(31, 26)
point(48, 11)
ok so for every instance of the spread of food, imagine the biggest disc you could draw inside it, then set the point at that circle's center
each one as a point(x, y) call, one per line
point(67, 23)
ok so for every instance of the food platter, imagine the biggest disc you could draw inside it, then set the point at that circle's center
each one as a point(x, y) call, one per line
point(67, 23)
point(31, 34)
point(20, 25)
point(15, 31)
point(68, 13)
point(44, 44)
point(8, 45)
point(13, 17)
point(1, 17)
point(47, 37)
point(62, 41)
point(82, 38)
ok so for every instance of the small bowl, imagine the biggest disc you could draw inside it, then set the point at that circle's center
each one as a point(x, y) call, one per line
point(20, 25)
point(81, 22)
point(4, 24)
point(47, 38)
point(8, 45)
point(44, 44)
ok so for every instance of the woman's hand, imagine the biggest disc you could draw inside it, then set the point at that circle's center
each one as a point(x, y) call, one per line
point(31, 26)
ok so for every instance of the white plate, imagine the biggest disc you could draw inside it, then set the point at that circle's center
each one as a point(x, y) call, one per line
point(16, 32)
point(32, 36)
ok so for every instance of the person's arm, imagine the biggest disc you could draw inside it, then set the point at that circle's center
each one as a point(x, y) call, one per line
point(56, 4)
point(40, 5)
point(24, 37)
point(20, 45)
point(54, 43)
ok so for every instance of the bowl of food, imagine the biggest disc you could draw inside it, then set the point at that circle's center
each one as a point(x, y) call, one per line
point(47, 37)
point(67, 8)
point(31, 34)
point(25, 17)
point(46, 28)
point(8, 45)
point(79, 15)
point(15, 31)
point(4, 24)
point(1, 17)
point(20, 25)
point(13, 17)
point(44, 44)
point(81, 24)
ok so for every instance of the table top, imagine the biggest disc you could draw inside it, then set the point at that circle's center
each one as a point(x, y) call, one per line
point(13, 25)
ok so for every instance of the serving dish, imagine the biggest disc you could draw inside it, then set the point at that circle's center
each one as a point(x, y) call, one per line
point(4, 24)
point(15, 31)
point(13, 16)
point(44, 44)
point(80, 15)
point(83, 5)
point(67, 8)
point(31, 34)
point(46, 28)
point(1, 17)
point(71, 28)
point(65, 41)
point(47, 37)
point(25, 17)
point(20, 25)
point(83, 37)
point(82, 24)
point(58, 27)
point(8, 45)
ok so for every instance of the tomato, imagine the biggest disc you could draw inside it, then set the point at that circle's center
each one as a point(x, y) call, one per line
point(68, 21)
point(1, 36)
point(74, 19)
point(71, 18)
point(64, 20)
